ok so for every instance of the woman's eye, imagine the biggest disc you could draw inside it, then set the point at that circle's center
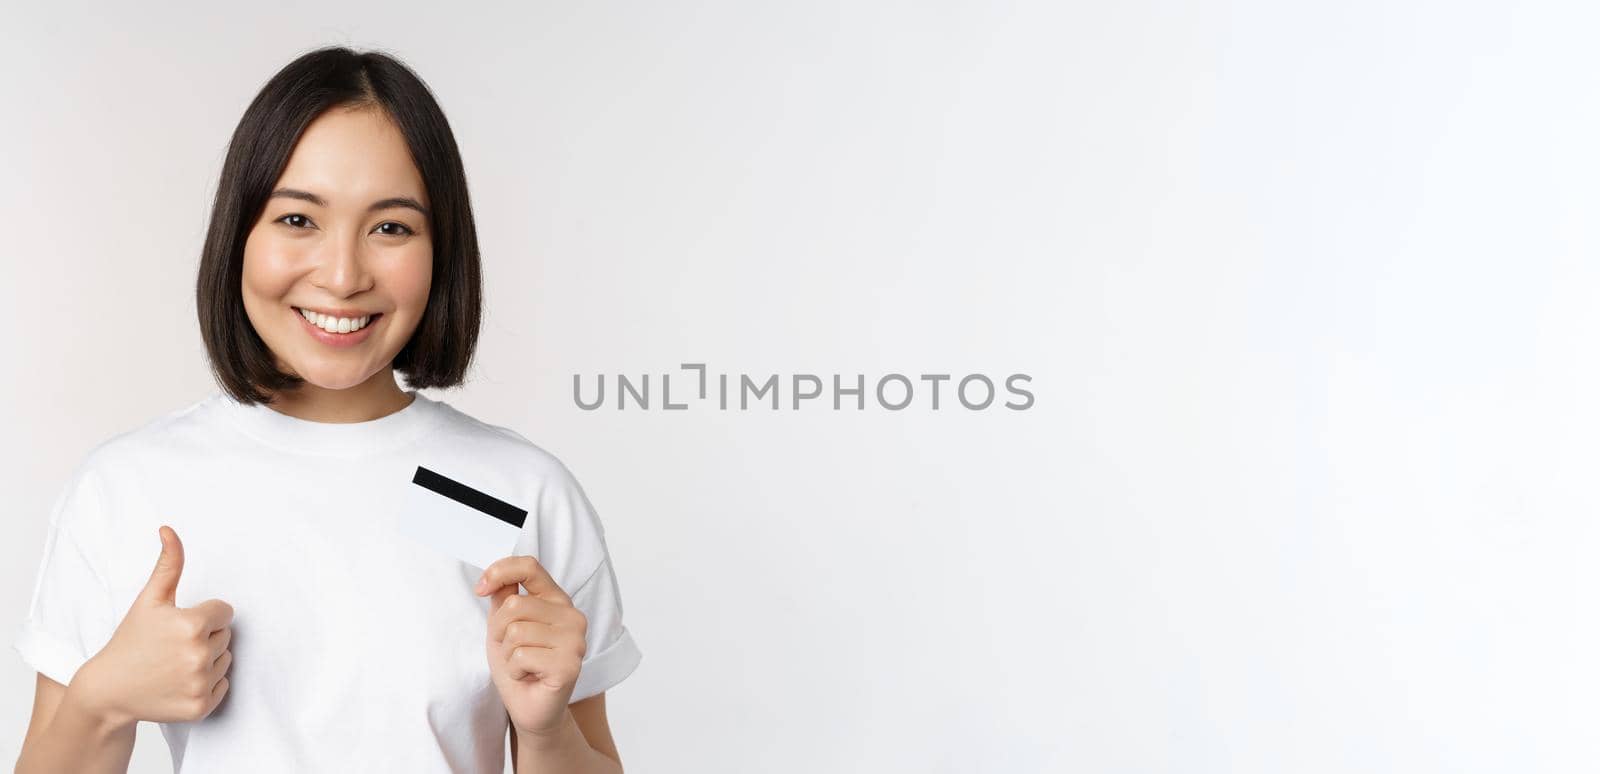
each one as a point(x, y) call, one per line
point(296, 220)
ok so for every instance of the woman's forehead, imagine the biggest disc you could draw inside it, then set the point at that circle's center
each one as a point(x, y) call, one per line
point(350, 158)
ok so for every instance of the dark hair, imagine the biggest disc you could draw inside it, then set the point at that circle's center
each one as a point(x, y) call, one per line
point(438, 353)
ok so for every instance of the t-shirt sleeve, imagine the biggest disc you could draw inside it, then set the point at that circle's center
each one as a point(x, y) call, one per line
point(70, 612)
point(611, 653)
point(570, 529)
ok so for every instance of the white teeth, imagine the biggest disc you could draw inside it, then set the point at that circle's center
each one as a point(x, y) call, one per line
point(336, 324)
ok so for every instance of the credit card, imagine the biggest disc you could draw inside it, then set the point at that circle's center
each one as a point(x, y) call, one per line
point(457, 519)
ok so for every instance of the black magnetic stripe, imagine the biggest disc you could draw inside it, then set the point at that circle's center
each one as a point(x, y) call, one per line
point(470, 497)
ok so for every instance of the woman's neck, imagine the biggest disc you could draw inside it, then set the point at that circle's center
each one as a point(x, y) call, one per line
point(377, 397)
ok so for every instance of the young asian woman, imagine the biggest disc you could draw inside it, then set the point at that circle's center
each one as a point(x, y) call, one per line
point(291, 627)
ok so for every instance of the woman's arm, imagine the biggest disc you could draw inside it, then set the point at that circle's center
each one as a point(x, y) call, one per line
point(68, 732)
point(586, 744)
point(163, 664)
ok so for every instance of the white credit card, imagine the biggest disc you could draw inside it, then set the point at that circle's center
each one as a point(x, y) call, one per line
point(451, 517)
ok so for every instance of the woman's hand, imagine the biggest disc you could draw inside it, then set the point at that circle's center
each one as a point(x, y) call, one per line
point(164, 663)
point(536, 642)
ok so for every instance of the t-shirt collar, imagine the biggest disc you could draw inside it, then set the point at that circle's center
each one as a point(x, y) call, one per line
point(330, 438)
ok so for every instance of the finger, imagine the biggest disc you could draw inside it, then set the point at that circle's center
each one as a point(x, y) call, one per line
point(163, 583)
point(219, 667)
point(525, 607)
point(497, 605)
point(525, 570)
point(499, 596)
point(513, 570)
point(219, 640)
point(215, 613)
point(533, 634)
point(550, 666)
point(522, 632)
point(217, 692)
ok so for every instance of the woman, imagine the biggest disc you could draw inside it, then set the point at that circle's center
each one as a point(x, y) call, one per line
point(296, 625)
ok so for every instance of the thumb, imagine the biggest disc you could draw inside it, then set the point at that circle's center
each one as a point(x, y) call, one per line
point(500, 595)
point(163, 583)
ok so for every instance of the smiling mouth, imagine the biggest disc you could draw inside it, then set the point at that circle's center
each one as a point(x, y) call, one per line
point(337, 325)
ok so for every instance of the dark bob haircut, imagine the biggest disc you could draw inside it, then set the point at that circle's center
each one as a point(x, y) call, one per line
point(438, 353)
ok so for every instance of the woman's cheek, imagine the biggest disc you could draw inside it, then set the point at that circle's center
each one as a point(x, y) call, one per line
point(413, 279)
point(270, 266)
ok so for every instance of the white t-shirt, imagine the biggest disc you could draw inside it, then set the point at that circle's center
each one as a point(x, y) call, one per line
point(355, 648)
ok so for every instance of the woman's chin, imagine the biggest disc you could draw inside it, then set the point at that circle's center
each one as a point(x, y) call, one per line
point(332, 379)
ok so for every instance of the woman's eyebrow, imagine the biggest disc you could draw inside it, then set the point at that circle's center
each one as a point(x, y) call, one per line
point(381, 204)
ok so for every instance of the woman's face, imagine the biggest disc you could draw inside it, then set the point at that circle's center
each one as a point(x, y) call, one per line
point(341, 236)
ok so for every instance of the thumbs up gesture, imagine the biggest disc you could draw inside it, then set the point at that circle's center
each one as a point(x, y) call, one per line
point(164, 663)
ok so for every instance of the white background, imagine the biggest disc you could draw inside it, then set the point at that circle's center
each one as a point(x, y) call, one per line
point(1306, 291)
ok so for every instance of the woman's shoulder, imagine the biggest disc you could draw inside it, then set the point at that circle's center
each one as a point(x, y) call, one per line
point(489, 437)
point(128, 454)
point(529, 471)
point(165, 430)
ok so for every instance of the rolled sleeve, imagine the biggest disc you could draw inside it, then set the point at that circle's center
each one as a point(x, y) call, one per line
point(69, 613)
point(610, 652)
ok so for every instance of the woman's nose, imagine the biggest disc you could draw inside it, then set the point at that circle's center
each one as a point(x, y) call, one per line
point(342, 268)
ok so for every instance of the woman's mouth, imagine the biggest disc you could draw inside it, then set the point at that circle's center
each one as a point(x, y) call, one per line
point(333, 324)
point(338, 331)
